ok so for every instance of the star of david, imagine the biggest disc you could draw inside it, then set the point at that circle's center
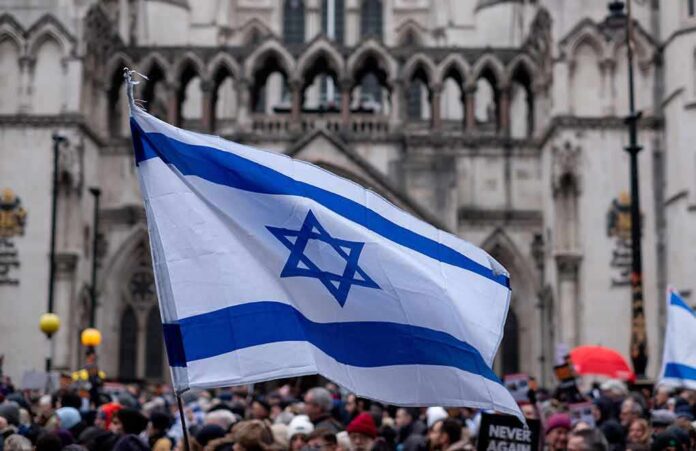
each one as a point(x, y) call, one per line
point(300, 265)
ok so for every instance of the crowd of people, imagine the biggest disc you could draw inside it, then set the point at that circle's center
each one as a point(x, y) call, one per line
point(325, 418)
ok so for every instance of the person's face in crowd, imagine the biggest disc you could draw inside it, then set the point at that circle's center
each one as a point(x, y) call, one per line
point(557, 439)
point(258, 411)
point(437, 438)
point(596, 413)
point(3, 424)
point(529, 412)
point(403, 418)
point(637, 431)
point(275, 411)
point(351, 404)
point(319, 444)
point(361, 442)
point(576, 443)
point(312, 409)
point(684, 423)
point(661, 397)
point(116, 427)
point(627, 415)
point(297, 442)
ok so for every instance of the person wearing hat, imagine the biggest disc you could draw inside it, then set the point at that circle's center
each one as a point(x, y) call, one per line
point(556, 432)
point(298, 431)
point(69, 418)
point(362, 432)
point(661, 419)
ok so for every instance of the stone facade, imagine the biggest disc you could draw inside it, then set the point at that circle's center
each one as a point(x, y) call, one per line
point(499, 121)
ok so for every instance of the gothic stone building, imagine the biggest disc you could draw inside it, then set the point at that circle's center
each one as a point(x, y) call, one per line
point(499, 120)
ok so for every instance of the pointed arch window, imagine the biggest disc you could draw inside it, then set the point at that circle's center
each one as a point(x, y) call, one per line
point(154, 344)
point(371, 19)
point(333, 19)
point(127, 349)
point(510, 356)
point(294, 22)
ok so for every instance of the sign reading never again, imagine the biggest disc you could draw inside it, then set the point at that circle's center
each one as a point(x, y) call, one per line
point(506, 433)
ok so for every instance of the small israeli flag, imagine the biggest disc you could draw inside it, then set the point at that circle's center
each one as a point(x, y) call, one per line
point(679, 358)
point(268, 267)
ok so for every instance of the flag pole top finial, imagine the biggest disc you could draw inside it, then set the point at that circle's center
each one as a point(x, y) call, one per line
point(130, 82)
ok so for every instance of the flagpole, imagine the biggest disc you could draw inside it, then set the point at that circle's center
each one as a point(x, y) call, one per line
point(187, 446)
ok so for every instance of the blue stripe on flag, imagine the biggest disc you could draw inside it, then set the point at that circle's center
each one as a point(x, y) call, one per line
point(364, 344)
point(677, 301)
point(680, 371)
point(226, 168)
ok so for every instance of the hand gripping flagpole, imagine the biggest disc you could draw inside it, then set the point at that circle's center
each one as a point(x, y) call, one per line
point(128, 76)
point(130, 82)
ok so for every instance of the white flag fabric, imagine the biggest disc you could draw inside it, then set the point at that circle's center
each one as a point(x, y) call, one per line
point(679, 358)
point(269, 267)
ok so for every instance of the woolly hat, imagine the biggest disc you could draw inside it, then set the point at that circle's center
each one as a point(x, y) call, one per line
point(107, 411)
point(132, 420)
point(363, 424)
point(435, 414)
point(10, 412)
point(557, 420)
point(662, 417)
point(300, 425)
point(69, 417)
point(209, 432)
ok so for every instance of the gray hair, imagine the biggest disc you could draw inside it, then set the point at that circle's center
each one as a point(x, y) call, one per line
point(322, 398)
point(16, 442)
point(593, 440)
point(636, 406)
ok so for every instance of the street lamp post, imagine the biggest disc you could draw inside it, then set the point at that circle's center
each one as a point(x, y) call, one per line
point(58, 139)
point(96, 192)
point(639, 338)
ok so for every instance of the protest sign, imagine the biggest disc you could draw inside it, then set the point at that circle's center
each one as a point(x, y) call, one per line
point(517, 385)
point(506, 433)
point(582, 411)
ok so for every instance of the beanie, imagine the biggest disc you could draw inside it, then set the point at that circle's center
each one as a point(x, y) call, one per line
point(69, 417)
point(557, 420)
point(363, 424)
point(132, 420)
point(209, 432)
point(10, 412)
point(435, 414)
point(300, 425)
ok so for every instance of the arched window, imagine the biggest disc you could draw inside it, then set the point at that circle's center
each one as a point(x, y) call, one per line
point(371, 19)
point(510, 355)
point(333, 19)
point(127, 350)
point(10, 75)
point(294, 22)
point(48, 79)
point(153, 350)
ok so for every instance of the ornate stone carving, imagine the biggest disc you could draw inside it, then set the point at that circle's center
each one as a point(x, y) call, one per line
point(565, 168)
point(71, 166)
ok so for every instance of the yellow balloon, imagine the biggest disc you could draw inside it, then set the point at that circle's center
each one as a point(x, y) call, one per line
point(90, 337)
point(49, 323)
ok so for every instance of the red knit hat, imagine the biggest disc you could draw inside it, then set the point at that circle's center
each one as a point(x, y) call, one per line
point(363, 424)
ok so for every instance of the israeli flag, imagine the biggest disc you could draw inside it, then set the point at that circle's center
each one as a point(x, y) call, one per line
point(679, 358)
point(269, 267)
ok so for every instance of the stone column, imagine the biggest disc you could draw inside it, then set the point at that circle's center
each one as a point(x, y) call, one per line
point(470, 107)
point(26, 68)
point(296, 96)
point(435, 106)
point(345, 86)
point(173, 104)
point(243, 103)
point(504, 112)
point(207, 115)
point(568, 265)
point(398, 102)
